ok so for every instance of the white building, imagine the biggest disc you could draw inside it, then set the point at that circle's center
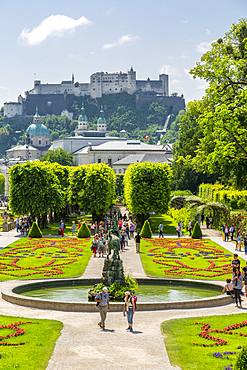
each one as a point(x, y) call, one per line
point(112, 152)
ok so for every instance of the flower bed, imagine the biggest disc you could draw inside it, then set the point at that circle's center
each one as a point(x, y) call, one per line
point(44, 258)
point(186, 258)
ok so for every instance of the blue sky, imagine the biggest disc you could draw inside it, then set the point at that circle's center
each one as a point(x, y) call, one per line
point(50, 40)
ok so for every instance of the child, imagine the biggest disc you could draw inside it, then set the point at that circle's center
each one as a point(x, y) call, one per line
point(73, 228)
point(228, 288)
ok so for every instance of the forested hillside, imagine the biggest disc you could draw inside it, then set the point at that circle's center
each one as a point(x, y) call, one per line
point(120, 113)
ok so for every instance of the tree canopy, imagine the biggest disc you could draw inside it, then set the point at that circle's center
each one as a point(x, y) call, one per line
point(58, 155)
point(223, 110)
point(147, 187)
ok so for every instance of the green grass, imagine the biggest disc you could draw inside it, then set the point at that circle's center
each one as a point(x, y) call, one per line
point(40, 340)
point(38, 258)
point(156, 263)
point(180, 336)
point(167, 221)
point(52, 229)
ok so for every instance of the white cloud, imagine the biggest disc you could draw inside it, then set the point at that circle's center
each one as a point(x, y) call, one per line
point(203, 47)
point(76, 57)
point(169, 70)
point(176, 82)
point(208, 32)
point(186, 71)
point(92, 53)
point(185, 21)
point(4, 87)
point(123, 40)
point(53, 26)
point(202, 85)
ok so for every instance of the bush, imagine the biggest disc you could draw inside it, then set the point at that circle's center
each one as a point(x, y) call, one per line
point(84, 231)
point(241, 363)
point(197, 232)
point(35, 231)
point(146, 231)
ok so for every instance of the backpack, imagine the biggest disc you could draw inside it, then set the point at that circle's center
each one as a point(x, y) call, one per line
point(134, 298)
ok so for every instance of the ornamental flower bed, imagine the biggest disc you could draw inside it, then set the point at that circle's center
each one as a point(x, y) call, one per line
point(186, 258)
point(43, 258)
point(18, 331)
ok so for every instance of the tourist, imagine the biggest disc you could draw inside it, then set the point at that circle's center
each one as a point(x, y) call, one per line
point(161, 230)
point(104, 306)
point(129, 308)
point(94, 245)
point(202, 217)
point(245, 244)
point(61, 228)
point(190, 227)
point(92, 228)
point(121, 241)
point(244, 272)
point(207, 222)
point(231, 230)
point(228, 287)
point(73, 228)
point(120, 223)
point(138, 241)
point(131, 228)
point(100, 246)
point(238, 242)
point(178, 229)
point(79, 224)
point(235, 263)
point(237, 281)
point(125, 237)
point(226, 233)
point(105, 242)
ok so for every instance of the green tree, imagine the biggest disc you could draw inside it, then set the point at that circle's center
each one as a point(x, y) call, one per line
point(2, 184)
point(34, 189)
point(119, 187)
point(146, 231)
point(147, 188)
point(223, 117)
point(58, 155)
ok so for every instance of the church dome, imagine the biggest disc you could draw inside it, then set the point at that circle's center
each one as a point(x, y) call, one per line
point(82, 117)
point(38, 129)
point(101, 119)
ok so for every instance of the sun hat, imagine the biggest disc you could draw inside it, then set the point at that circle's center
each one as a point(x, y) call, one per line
point(104, 289)
point(73, 222)
point(127, 293)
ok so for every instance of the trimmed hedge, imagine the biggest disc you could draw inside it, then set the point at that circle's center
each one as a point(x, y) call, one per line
point(35, 231)
point(197, 232)
point(146, 231)
point(84, 231)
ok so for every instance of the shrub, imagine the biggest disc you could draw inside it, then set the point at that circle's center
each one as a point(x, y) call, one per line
point(35, 231)
point(241, 363)
point(146, 231)
point(83, 231)
point(197, 232)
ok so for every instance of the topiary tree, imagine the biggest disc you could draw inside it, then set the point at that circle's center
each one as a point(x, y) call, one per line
point(197, 232)
point(35, 231)
point(146, 231)
point(241, 363)
point(84, 231)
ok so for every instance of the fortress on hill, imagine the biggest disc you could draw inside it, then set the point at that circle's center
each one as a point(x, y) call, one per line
point(55, 98)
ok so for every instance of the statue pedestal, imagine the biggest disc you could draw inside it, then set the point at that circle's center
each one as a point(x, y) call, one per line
point(113, 272)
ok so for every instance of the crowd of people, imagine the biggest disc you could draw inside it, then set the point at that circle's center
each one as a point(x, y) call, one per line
point(24, 224)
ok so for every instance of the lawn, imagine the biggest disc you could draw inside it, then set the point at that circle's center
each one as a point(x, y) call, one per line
point(32, 345)
point(52, 229)
point(44, 258)
point(186, 258)
point(191, 351)
point(167, 221)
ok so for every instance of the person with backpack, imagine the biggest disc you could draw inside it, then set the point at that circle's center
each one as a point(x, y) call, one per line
point(129, 308)
point(103, 305)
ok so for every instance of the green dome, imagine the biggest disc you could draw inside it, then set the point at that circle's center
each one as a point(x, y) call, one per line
point(101, 119)
point(38, 129)
point(82, 117)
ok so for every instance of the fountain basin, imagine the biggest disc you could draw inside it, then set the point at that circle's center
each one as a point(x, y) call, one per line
point(13, 295)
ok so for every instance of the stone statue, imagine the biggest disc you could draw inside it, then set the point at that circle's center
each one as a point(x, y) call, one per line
point(113, 244)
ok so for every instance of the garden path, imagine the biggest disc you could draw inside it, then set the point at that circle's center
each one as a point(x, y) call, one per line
point(9, 237)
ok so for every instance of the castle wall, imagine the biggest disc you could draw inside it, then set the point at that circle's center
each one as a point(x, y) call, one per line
point(48, 104)
point(176, 102)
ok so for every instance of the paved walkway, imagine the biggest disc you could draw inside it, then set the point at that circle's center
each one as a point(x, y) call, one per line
point(83, 345)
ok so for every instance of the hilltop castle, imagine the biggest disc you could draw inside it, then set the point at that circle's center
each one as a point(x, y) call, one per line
point(55, 98)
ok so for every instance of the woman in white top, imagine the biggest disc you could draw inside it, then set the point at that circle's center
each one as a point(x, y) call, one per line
point(129, 307)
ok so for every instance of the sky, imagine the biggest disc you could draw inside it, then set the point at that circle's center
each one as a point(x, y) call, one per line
point(50, 40)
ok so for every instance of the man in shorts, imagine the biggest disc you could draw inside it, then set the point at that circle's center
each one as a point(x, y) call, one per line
point(104, 306)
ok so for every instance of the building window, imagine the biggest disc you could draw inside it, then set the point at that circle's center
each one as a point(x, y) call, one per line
point(109, 161)
point(46, 142)
point(120, 171)
point(39, 141)
point(31, 142)
point(99, 160)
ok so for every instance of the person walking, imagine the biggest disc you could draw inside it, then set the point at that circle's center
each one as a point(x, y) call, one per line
point(226, 233)
point(73, 228)
point(237, 281)
point(235, 263)
point(161, 230)
point(103, 299)
point(238, 243)
point(61, 228)
point(244, 274)
point(138, 241)
point(231, 232)
point(17, 224)
point(178, 230)
point(129, 308)
point(94, 245)
point(190, 227)
point(131, 228)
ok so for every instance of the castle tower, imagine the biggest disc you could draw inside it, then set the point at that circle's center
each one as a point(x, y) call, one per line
point(82, 122)
point(101, 123)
